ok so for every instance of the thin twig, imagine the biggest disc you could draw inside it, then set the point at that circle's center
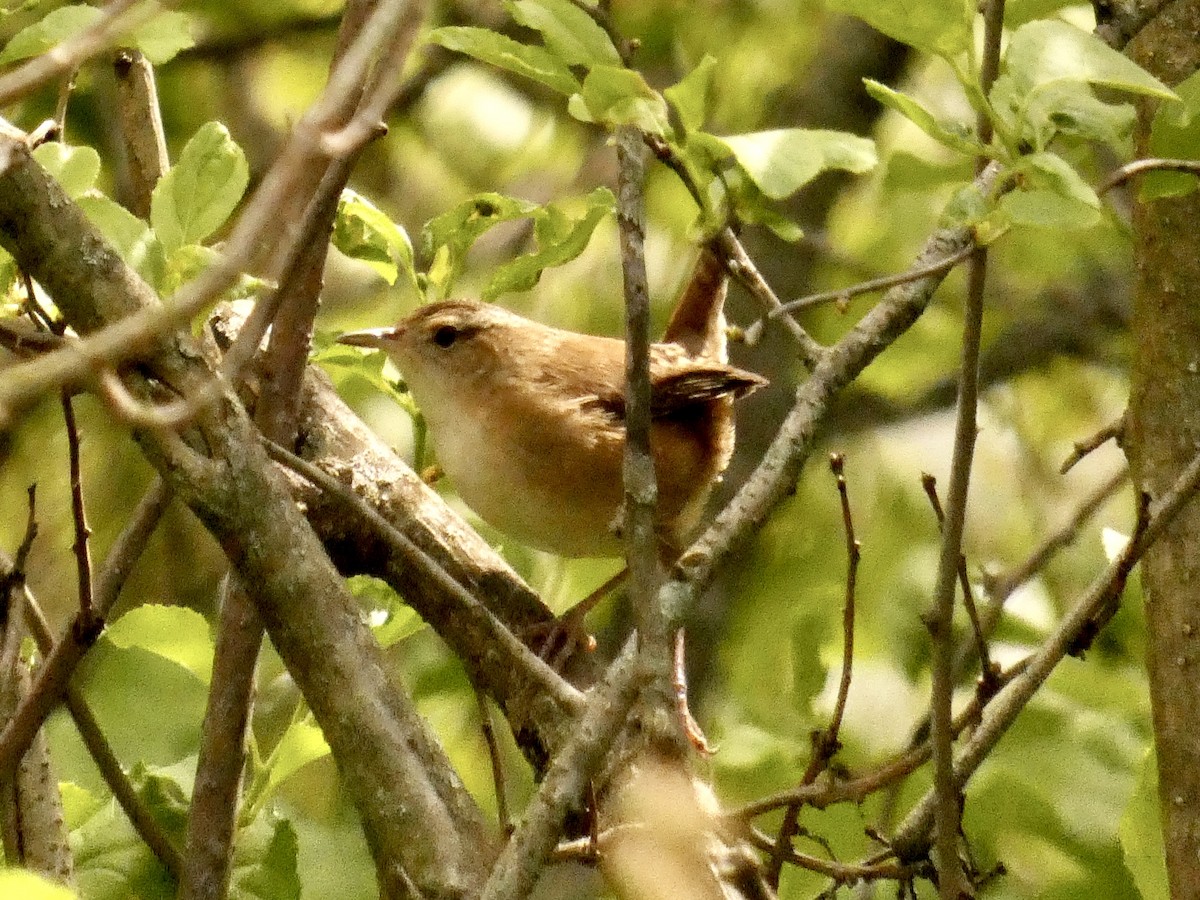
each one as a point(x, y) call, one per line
point(494, 757)
point(869, 287)
point(1112, 431)
point(81, 546)
point(1138, 166)
point(825, 743)
point(987, 670)
point(641, 488)
point(952, 880)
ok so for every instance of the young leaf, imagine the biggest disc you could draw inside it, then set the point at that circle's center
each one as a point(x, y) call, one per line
point(617, 96)
point(173, 632)
point(691, 97)
point(165, 36)
point(201, 190)
point(74, 168)
point(560, 238)
point(568, 31)
point(52, 29)
point(953, 134)
point(265, 861)
point(1051, 195)
point(943, 27)
point(1043, 208)
point(338, 358)
point(781, 162)
point(302, 743)
point(363, 232)
point(1175, 133)
point(448, 237)
point(1046, 51)
point(536, 63)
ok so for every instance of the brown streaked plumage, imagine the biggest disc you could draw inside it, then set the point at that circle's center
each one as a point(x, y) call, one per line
point(528, 421)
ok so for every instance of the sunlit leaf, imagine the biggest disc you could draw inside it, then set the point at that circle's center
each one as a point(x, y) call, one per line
point(781, 162)
point(560, 237)
point(691, 97)
point(74, 168)
point(53, 28)
point(1050, 50)
point(302, 743)
point(942, 27)
point(953, 134)
point(536, 63)
point(201, 190)
point(617, 96)
point(568, 31)
point(173, 632)
point(362, 231)
point(165, 36)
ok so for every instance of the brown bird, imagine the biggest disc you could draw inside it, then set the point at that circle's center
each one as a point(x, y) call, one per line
point(528, 421)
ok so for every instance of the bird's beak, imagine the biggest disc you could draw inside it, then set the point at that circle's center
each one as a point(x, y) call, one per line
point(376, 338)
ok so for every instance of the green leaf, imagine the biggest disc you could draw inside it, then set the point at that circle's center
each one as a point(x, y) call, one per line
point(162, 726)
point(30, 886)
point(390, 618)
point(692, 96)
point(74, 168)
point(568, 31)
point(363, 232)
point(536, 63)
point(954, 135)
point(560, 239)
point(1050, 171)
point(51, 30)
point(129, 235)
point(368, 366)
point(162, 794)
point(112, 862)
point(943, 27)
point(781, 162)
point(1051, 195)
point(617, 96)
point(165, 36)
point(1044, 208)
point(447, 238)
point(173, 632)
point(1047, 51)
point(1175, 133)
point(264, 861)
point(201, 190)
point(1141, 834)
point(301, 744)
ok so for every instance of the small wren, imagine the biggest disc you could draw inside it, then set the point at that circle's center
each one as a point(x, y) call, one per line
point(528, 421)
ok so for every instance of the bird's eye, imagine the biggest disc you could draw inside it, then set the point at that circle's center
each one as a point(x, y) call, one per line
point(445, 336)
